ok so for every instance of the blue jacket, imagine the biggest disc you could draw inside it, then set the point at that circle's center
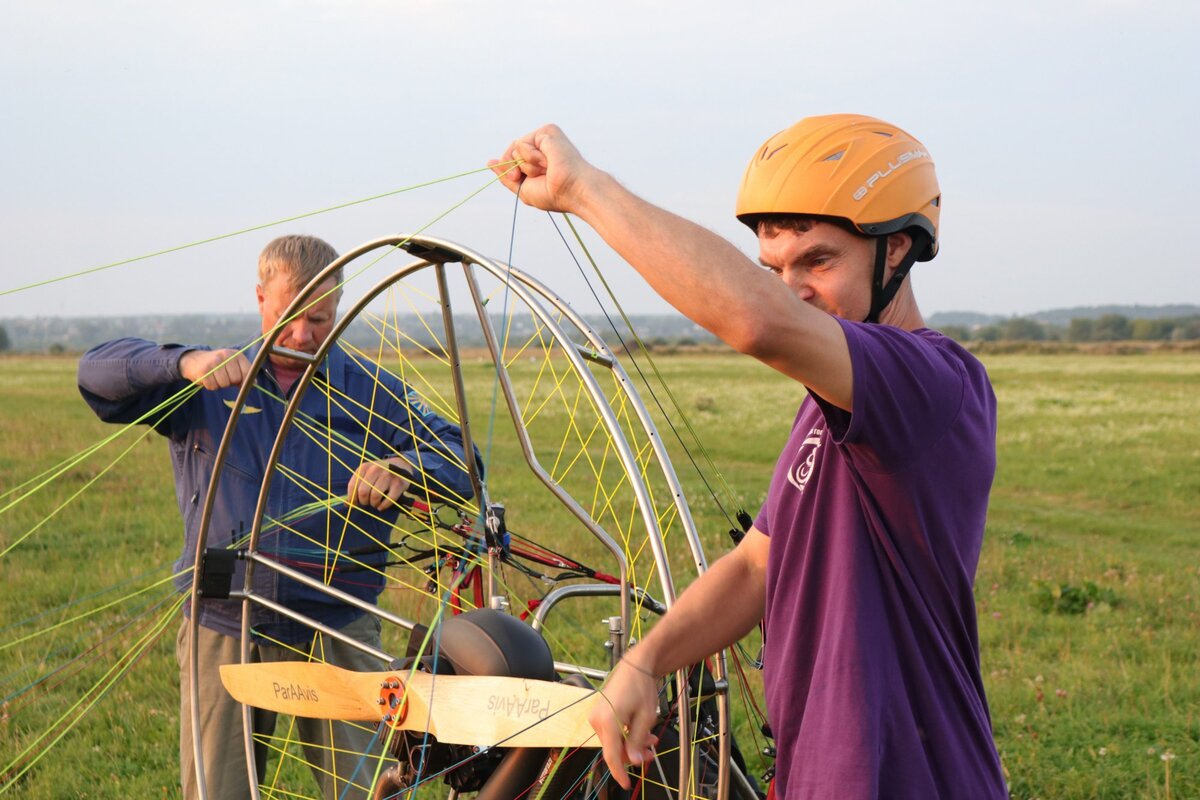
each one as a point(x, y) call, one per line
point(124, 379)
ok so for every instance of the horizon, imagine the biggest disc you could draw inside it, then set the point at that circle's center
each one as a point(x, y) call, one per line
point(1187, 309)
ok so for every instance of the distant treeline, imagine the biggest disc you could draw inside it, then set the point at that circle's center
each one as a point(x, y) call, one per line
point(1099, 324)
point(1105, 328)
point(77, 334)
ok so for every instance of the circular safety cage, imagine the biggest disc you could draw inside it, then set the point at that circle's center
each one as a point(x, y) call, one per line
point(450, 642)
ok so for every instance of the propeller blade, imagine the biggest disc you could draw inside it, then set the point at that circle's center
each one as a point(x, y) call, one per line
point(481, 710)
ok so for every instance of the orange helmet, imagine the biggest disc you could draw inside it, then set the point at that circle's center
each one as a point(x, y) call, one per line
point(849, 167)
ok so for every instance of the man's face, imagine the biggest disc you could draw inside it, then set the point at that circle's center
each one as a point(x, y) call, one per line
point(825, 266)
point(309, 329)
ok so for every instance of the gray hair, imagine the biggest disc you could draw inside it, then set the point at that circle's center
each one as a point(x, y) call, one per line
point(298, 258)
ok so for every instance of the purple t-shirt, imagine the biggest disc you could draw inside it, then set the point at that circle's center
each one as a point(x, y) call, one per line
point(876, 519)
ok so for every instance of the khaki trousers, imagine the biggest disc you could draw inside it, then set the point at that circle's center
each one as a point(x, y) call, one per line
point(334, 750)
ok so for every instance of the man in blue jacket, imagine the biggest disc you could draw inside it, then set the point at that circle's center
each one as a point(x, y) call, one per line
point(359, 440)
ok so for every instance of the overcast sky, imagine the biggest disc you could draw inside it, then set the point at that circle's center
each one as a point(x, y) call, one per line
point(1064, 132)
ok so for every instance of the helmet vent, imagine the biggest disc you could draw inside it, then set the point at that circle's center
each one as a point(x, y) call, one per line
point(766, 156)
point(835, 157)
point(883, 133)
point(937, 201)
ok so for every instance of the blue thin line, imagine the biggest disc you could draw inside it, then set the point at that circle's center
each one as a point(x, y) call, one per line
point(361, 760)
point(81, 600)
point(142, 613)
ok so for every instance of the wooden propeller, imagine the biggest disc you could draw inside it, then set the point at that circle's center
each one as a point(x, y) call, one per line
point(457, 709)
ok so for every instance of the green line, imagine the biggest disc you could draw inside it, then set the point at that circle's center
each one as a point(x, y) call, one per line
point(88, 699)
point(73, 460)
point(171, 402)
point(251, 229)
point(653, 366)
point(549, 778)
point(70, 499)
point(96, 610)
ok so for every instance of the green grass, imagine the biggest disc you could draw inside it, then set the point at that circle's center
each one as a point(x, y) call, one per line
point(1087, 589)
point(1097, 486)
point(125, 525)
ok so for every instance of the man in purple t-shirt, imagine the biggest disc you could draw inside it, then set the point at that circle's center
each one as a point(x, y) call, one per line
point(863, 556)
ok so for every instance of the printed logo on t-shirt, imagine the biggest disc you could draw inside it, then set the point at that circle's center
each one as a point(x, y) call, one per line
point(806, 458)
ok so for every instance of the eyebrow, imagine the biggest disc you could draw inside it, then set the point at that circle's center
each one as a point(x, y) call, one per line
point(808, 254)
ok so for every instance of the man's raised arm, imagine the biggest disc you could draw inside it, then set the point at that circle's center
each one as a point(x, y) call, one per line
point(701, 274)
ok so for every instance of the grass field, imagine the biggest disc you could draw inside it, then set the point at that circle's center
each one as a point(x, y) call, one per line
point(1088, 590)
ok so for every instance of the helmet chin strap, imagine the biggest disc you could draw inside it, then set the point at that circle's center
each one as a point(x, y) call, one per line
point(881, 295)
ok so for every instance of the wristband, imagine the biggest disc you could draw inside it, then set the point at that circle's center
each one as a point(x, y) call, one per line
point(642, 670)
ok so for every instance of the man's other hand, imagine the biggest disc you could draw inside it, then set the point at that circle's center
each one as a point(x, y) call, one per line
point(624, 717)
point(378, 484)
point(214, 369)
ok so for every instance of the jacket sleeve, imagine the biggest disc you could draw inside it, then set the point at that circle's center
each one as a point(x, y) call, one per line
point(133, 380)
point(437, 450)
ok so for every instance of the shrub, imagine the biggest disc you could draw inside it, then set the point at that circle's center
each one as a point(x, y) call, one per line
point(1063, 598)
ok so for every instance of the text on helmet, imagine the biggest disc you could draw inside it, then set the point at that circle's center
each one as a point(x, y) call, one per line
point(879, 175)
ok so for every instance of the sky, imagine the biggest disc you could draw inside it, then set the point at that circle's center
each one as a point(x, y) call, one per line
point(1064, 134)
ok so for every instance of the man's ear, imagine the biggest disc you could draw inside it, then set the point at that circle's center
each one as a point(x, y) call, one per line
point(258, 292)
point(898, 246)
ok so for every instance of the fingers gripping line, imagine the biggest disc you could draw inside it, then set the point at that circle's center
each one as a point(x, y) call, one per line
point(625, 721)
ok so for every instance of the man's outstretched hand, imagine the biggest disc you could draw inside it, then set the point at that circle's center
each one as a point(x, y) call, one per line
point(545, 170)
